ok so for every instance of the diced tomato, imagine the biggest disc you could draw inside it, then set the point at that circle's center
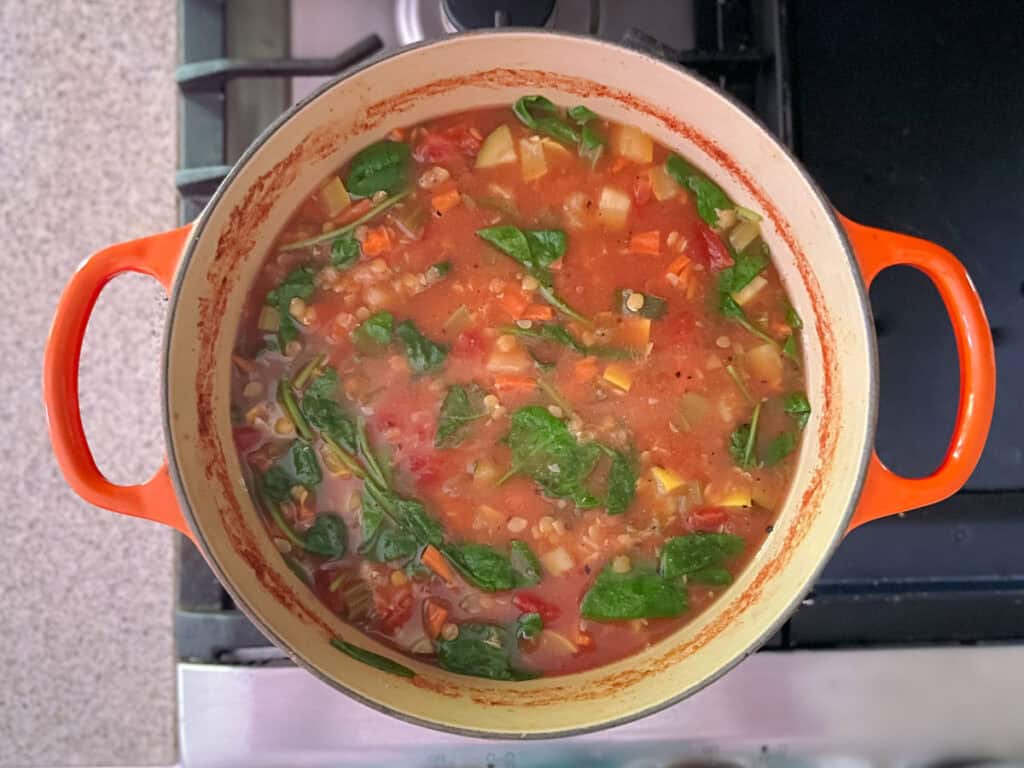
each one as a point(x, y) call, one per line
point(708, 519)
point(718, 257)
point(424, 467)
point(322, 580)
point(642, 189)
point(392, 606)
point(469, 344)
point(449, 144)
point(527, 602)
point(247, 438)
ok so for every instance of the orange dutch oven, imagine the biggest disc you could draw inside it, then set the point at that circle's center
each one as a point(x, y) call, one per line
point(826, 262)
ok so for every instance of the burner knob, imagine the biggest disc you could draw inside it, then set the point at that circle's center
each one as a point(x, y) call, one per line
point(481, 14)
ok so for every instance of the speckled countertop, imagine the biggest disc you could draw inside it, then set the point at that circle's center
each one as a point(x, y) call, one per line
point(87, 155)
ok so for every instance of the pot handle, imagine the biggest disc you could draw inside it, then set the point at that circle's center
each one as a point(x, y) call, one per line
point(885, 492)
point(156, 256)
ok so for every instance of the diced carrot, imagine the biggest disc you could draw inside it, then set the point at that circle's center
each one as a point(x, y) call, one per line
point(586, 369)
point(515, 303)
point(619, 164)
point(646, 242)
point(377, 241)
point(435, 561)
point(678, 266)
point(397, 134)
point(514, 382)
point(445, 201)
point(583, 639)
point(353, 212)
point(537, 312)
point(434, 617)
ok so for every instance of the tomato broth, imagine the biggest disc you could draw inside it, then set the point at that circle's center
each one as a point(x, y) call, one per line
point(518, 392)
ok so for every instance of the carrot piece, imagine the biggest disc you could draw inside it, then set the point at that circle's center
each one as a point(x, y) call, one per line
point(445, 201)
point(435, 561)
point(646, 242)
point(537, 312)
point(434, 617)
point(678, 266)
point(514, 303)
point(514, 382)
point(377, 241)
point(583, 639)
point(619, 164)
point(585, 369)
point(353, 212)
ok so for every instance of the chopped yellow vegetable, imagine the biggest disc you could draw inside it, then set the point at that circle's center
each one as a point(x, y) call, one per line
point(750, 290)
point(333, 197)
point(619, 375)
point(497, 149)
point(765, 364)
point(614, 207)
point(732, 497)
point(635, 332)
point(668, 480)
point(555, 150)
point(663, 186)
point(631, 143)
point(531, 159)
point(743, 234)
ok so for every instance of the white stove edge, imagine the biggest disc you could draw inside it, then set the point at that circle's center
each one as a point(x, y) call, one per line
point(840, 709)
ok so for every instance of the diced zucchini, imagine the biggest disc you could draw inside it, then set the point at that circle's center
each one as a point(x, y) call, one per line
point(743, 234)
point(667, 479)
point(663, 186)
point(269, 320)
point(531, 159)
point(764, 363)
point(614, 206)
point(619, 375)
point(750, 290)
point(333, 197)
point(631, 143)
point(497, 149)
point(746, 214)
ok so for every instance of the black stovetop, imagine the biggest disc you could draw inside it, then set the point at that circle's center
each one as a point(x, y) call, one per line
point(911, 117)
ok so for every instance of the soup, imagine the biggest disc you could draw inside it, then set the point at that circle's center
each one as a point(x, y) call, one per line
point(518, 392)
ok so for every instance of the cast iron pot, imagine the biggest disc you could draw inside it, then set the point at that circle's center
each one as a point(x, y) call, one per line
point(825, 261)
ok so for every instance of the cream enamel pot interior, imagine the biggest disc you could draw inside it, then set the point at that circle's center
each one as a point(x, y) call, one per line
point(825, 262)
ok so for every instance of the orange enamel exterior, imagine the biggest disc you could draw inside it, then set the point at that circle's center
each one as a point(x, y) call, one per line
point(158, 257)
point(886, 493)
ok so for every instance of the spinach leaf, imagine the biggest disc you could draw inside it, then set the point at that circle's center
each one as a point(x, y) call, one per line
point(543, 448)
point(461, 406)
point(716, 577)
point(277, 484)
point(697, 553)
point(392, 544)
point(558, 334)
point(779, 448)
point(328, 536)
point(439, 270)
point(374, 660)
point(482, 565)
point(374, 333)
point(297, 284)
point(412, 515)
point(793, 319)
point(371, 517)
point(479, 650)
point(731, 309)
point(581, 115)
point(546, 245)
point(529, 626)
point(422, 353)
point(743, 440)
point(344, 251)
point(324, 413)
point(621, 483)
point(539, 114)
point(789, 349)
point(305, 464)
point(381, 166)
point(746, 266)
point(591, 145)
point(796, 405)
point(654, 307)
point(639, 594)
point(525, 564)
point(710, 197)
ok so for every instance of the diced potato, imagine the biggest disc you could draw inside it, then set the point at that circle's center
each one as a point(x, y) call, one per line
point(764, 496)
point(726, 218)
point(555, 151)
point(485, 472)
point(750, 290)
point(497, 149)
point(632, 143)
point(743, 234)
point(663, 185)
point(635, 332)
point(667, 479)
point(514, 360)
point(619, 375)
point(614, 207)
point(333, 197)
point(693, 409)
point(531, 159)
point(765, 364)
point(557, 561)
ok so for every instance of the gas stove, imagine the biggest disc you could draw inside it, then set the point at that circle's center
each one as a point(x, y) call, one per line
point(908, 115)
